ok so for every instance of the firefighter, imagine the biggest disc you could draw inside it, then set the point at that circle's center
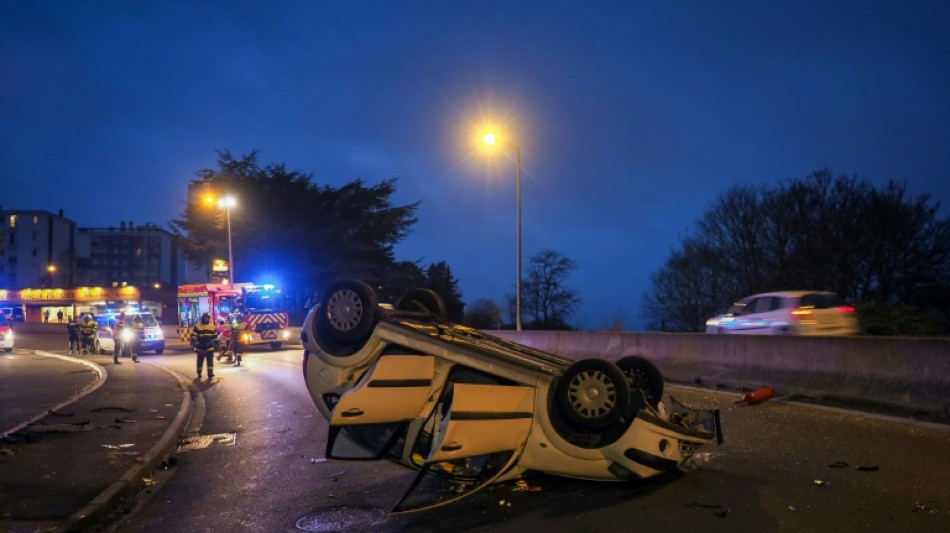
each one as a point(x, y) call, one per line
point(204, 334)
point(72, 328)
point(236, 328)
point(88, 328)
point(117, 337)
point(138, 335)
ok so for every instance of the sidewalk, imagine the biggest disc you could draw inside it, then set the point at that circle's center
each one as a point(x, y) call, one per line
point(67, 470)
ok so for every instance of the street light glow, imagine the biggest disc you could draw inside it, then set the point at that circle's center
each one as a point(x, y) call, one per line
point(227, 202)
point(209, 199)
point(489, 138)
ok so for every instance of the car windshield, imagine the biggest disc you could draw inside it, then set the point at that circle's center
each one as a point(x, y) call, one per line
point(261, 301)
point(147, 319)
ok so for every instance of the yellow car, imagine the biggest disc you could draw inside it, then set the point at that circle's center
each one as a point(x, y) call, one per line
point(464, 407)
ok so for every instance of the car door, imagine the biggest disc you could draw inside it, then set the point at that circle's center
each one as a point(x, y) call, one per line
point(370, 418)
point(475, 435)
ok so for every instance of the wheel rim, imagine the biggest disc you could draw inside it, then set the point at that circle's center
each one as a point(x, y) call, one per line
point(344, 309)
point(592, 394)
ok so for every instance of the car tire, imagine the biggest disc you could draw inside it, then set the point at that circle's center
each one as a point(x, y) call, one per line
point(160, 349)
point(644, 379)
point(346, 317)
point(275, 345)
point(593, 394)
point(423, 301)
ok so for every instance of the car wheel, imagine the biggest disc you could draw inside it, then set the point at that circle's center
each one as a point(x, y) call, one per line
point(644, 379)
point(593, 393)
point(423, 301)
point(347, 312)
point(160, 349)
point(275, 345)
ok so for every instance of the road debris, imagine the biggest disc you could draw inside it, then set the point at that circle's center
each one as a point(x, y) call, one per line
point(838, 464)
point(720, 511)
point(867, 468)
point(820, 482)
point(757, 396)
point(59, 428)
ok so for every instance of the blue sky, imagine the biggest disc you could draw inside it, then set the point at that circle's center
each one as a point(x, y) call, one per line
point(632, 117)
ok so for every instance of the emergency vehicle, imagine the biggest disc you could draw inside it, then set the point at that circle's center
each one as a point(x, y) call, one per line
point(260, 306)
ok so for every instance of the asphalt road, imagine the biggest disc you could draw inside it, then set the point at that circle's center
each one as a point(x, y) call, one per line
point(783, 467)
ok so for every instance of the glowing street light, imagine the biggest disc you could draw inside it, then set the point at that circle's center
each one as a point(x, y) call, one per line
point(227, 203)
point(491, 139)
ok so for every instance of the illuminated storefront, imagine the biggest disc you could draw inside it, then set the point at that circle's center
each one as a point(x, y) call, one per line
point(45, 305)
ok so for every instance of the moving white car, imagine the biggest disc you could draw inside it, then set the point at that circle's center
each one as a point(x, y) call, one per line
point(787, 313)
point(469, 409)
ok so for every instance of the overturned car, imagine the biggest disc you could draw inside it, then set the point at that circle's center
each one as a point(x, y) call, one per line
point(461, 406)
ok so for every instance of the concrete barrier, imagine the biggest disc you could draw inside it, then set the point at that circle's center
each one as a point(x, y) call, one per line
point(909, 373)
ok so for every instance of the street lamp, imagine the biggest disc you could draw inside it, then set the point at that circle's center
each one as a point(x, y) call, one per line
point(490, 139)
point(51, 268)
point(227, 203)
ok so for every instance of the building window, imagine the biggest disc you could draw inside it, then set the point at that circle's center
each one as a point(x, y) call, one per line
point(12, 221)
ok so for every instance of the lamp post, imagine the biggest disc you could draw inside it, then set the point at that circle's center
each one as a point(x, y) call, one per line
point(490, 140)
point(227, 203)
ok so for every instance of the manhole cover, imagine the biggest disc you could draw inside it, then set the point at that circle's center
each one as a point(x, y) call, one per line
point(341, 519)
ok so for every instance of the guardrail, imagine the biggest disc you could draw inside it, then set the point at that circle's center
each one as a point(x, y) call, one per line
point(910, 373)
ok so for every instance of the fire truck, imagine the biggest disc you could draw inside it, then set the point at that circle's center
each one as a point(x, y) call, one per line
point(260, 306)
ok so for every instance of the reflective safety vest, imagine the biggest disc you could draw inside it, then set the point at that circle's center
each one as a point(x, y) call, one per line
point(204, 335)
point(88, 328)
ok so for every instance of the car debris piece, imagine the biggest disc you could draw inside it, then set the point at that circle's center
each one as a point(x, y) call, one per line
point(399, 382)
point(867, 468)
point(838, 464)
point(757, 396)
point(820, 482)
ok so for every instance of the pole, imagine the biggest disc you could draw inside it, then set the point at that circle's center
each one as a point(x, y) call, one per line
point(518, 278)
point(230, 252)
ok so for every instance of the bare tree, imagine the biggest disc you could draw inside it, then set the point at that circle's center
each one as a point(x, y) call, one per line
point(544, 296)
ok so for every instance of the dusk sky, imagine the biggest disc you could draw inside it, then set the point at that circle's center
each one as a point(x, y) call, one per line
point(632, 117)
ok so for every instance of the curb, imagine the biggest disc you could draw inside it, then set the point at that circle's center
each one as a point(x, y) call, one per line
point(132, 478)
point(88, 389)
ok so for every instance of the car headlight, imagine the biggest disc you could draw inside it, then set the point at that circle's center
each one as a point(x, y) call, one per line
point(126, 335)
point(285, 334)
point(246, 337)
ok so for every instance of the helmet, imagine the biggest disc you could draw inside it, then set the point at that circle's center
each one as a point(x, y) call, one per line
point(205, 318)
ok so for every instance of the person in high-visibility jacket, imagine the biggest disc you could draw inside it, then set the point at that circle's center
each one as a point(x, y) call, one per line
point(204, 334)
point(236, 330)
point(87, 328)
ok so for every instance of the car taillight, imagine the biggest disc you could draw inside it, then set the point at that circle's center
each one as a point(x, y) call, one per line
point(844, 309)
point(800, 312)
